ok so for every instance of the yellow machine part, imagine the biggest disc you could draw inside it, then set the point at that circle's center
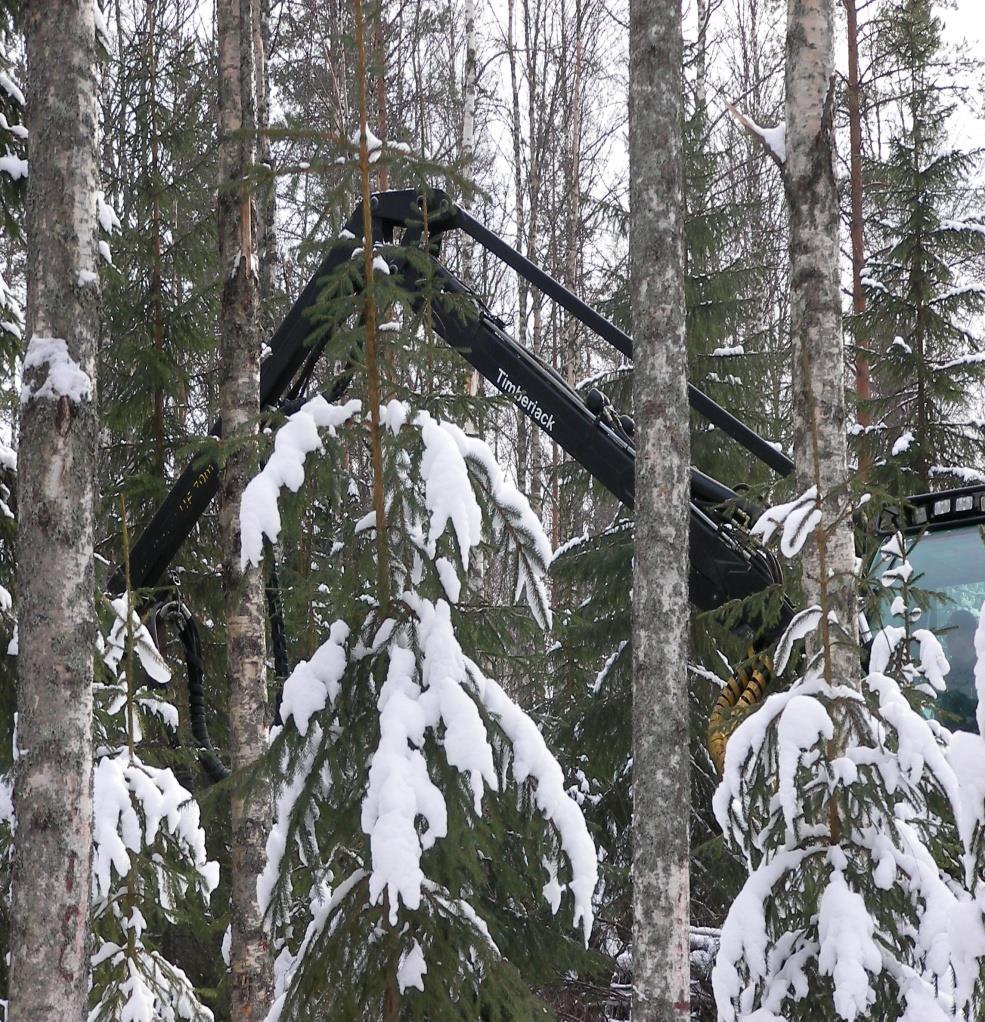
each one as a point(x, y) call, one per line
point(743, 690)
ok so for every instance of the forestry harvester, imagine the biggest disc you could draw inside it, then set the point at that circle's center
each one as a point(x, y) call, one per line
point(727, 563)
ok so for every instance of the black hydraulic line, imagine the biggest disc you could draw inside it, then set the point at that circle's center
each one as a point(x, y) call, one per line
point(191, 643)
point(278, 631)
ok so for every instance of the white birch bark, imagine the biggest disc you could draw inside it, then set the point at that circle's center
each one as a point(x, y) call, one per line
point(661, 761)
point(815, 323)
point(49, 945)
point(239, 402)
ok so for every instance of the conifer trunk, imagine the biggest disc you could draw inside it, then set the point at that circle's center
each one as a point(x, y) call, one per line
point(661, 760)
point(815, 324)
point(239, 401)
point(49, 945)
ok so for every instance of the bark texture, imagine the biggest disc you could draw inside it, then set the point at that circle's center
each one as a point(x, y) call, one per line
point(815, 323)
point(239, 401)
point(53, 786)
point(266, 229)
point(661, 761)
point(863, 386)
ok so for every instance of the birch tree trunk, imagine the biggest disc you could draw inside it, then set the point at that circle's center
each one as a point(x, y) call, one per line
point(49, 956)
point(661, 761)
point(815, 325)
point(239, 403)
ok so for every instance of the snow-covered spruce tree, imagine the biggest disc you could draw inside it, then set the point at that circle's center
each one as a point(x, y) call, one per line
point(150, 867)
point(863, 845)
point(397, 885)
point(922, 284)
point(13, 172)
point(395, 876)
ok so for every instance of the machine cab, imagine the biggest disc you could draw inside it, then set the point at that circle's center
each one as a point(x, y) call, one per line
point(945, 540)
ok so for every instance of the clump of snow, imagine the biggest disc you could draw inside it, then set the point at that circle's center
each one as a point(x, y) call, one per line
point(65, 377)
point(448, 576)
point(143, 644)
point(980, 670)
point(849, 953)
point(799, 518)
point(727, 352)
point(102, 29)
point(448, 490)
point(8, 86)
point(400, 791)
point(963, 225)
point(412, 968)
point(259, 514)
point(801, 625)
point(509, 506)
point(314, 684)
point(902, 443)
point(14, 166)
point(106, 215)
point(610, 662)
point(775, 139)
point(803, 724)
point(373, 143)
point(394, 414)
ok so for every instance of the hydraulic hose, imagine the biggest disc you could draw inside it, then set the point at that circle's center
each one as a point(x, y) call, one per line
point(191, 642)
point(743, 690)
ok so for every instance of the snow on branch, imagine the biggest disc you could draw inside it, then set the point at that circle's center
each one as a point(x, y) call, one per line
point(798, 518)
point(314, 684)
point(511, 511)
point(440, 695)
point(259, 514)
point(532, 760)
point(65, 377)
point(143, 644)
point(773, 140)
point(135, 804)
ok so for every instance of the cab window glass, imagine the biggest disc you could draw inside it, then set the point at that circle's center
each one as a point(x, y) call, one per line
point(948, 584)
